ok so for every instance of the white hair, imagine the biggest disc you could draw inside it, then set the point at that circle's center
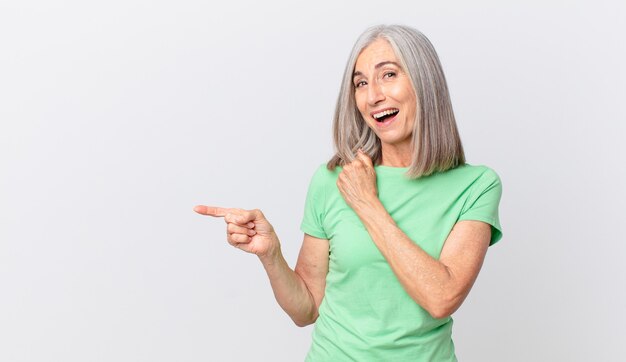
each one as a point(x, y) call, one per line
point(436, 142)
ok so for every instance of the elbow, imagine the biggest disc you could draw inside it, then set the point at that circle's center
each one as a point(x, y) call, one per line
point(443, 299)
point(442, 307)
point(303, 322)
point(440, 312)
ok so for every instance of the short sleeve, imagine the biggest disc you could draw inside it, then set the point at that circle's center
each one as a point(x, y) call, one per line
point(312, 221)
point(483, 202)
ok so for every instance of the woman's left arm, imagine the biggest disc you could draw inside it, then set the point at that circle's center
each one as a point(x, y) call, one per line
point(439, 286)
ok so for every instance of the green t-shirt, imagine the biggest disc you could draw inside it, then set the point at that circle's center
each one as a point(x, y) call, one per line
point(366, 315)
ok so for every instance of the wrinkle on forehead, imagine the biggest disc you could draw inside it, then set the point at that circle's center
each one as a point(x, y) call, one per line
point(374, 55)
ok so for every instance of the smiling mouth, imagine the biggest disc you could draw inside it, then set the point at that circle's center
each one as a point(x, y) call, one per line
point(386, 114)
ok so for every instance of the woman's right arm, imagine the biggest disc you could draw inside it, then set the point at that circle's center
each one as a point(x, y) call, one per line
point(299, 292)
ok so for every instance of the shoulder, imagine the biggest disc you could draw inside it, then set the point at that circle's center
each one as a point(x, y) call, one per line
point(480, 181)
point(474, 174)
point(487, 177)
point(476, 170)
point(464, 178)
point(483, 198)
point(323, 175)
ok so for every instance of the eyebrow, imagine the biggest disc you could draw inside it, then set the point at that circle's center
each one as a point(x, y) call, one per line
point(377, 66)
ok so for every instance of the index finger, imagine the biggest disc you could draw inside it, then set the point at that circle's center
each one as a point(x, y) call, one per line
point(211, 210)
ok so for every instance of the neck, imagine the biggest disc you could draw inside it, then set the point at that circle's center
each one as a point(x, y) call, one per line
point(396, 156)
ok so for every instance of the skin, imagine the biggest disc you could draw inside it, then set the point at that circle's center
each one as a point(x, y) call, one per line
point(381, 83)
point(299, 292)
point(439, 286)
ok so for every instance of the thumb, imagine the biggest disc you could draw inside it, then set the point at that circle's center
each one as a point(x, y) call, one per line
point(254, 215)
point(364, 157)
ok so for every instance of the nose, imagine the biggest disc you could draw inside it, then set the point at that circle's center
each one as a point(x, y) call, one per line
point(375, 94)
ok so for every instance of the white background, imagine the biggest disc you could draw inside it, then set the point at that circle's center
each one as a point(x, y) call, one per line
point(117, 117)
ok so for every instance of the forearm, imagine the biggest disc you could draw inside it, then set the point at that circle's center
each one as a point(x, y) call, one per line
point(426, 280)
point(289, 289)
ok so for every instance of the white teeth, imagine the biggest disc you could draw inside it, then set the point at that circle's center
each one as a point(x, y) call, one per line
point(384, 113)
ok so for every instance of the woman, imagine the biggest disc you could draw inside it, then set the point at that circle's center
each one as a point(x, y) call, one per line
point(396, 225)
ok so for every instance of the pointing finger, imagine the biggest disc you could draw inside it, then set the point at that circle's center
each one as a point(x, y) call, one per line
point(211, 210)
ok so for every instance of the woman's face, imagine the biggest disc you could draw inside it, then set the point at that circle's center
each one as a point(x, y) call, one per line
point(384, 94)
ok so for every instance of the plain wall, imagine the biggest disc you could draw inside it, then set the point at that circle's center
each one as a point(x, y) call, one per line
point(117, 117)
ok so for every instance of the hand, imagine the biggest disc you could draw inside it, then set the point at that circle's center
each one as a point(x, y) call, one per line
point(357, 181)
point(247, 230)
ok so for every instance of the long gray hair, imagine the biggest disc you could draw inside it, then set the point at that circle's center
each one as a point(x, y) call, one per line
point(436, 142)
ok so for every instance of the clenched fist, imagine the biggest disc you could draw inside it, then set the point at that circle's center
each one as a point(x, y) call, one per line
point(357, 181)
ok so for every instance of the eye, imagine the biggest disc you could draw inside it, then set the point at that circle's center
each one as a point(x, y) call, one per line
point(389, 74)
point(359, 84)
